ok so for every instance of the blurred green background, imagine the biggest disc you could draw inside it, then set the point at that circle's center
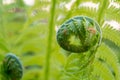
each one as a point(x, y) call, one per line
point(24, 31)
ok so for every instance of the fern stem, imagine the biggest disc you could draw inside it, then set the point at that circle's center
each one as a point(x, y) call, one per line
point(49, 46)
point(101, 11)
point(2, 22)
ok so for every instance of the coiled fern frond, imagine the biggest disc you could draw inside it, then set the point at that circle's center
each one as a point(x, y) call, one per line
point(11, 68)
point(79, 34)
point(82, 34)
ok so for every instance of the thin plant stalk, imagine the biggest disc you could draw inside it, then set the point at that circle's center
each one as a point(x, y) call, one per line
point(101, 11)
point(49, 46)
point(2, 21)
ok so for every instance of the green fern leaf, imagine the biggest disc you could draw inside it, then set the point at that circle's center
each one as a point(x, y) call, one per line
point(111, 34)
point(102, 71)
point(106, 56)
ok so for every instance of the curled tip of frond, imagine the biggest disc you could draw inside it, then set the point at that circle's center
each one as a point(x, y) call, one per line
point(79, 34)
point(11, 67)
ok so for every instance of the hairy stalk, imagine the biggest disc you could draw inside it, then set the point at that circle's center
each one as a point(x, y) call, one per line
point(48, 53)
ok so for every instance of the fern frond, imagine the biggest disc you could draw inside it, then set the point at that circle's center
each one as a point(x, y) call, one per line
point(113, 47)
point(101, 12)
point(3, 45)
point(106, 56)
point(102, 71)
point(111, 34)
point(36, 12)
point(112, 13)
point(80, 9)
point(31, 32)
point(85, 11)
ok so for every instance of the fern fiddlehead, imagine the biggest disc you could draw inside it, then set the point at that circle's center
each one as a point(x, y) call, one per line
point(79, 34)
point(11, 68)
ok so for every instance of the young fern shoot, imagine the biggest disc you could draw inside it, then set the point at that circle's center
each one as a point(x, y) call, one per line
point(79, 34)
point(11, 68)
point(83, 35)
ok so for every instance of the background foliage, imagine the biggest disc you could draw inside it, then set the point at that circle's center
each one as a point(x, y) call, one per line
point(30, 33)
